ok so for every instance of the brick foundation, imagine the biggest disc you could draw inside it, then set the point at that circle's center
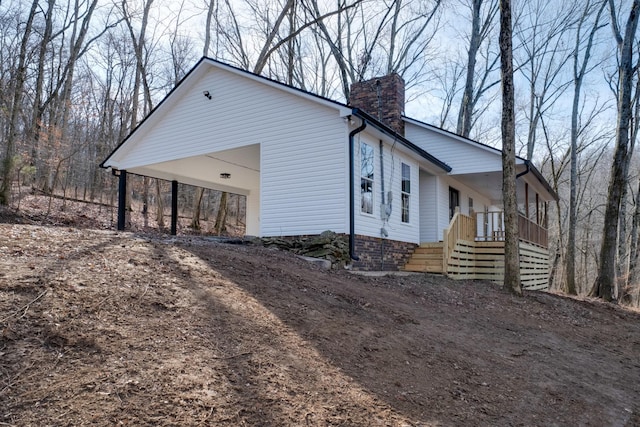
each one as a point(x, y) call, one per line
point(375, 254)
point(381, 254)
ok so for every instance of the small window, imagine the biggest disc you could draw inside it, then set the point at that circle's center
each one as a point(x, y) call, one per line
point(470, 206)
point(366, 178)
point(406, 191)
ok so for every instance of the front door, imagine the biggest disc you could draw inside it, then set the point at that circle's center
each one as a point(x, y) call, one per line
point(454, 201)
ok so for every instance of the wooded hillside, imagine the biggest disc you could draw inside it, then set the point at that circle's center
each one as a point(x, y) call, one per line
point(76, 77)
point(104, 328)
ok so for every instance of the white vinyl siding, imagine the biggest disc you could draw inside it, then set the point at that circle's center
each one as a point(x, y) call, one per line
point(371, 225)
point(302, 146)
point(398, 230)
point(463, 157)
point(303, 176)
point(241, 112)
point(428, 208)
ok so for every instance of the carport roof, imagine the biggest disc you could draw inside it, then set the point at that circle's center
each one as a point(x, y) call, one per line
point(344, 110)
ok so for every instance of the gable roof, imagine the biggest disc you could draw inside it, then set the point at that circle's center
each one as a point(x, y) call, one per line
point(519, 160)
point(344, 110)
point(455, 136)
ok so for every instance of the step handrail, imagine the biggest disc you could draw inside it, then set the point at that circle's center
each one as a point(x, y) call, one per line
point(461, 227)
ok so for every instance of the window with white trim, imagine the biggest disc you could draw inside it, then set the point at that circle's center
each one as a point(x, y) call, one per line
point(405, 191)
point(366, 178)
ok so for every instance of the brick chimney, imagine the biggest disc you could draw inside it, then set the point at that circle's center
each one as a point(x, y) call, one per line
point(382, 98)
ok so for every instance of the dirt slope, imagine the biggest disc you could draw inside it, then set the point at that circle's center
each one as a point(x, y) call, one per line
point(105, 328)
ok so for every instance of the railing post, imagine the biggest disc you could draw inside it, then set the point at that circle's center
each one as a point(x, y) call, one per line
point(486, 223)
point(174, 207)
point(445, 250)
point(122, 199)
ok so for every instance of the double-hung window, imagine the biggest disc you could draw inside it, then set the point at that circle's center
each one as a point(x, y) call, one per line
point(405, 191)
point(366, 178)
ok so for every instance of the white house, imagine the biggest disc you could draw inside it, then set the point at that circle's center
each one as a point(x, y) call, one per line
point(307, 164)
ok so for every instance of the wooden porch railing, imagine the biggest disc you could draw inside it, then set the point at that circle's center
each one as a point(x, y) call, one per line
point(531, 232)
point(461, 227)
point(492, 229)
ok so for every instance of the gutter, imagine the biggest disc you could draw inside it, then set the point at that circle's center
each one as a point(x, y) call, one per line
point(526, 171)
point(531, 168)
point(401, 139)
point(352, 211)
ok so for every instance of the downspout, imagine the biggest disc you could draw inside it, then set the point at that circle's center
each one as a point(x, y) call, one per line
point(381, 174)
point(352, 211)
point(382, 206)
point(526, 191)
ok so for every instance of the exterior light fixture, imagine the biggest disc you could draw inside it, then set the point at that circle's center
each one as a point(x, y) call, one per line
point(225, 175)
point(206, 94)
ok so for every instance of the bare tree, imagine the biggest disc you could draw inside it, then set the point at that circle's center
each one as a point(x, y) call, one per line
point(605, 281)
point(542, 33)
point(483, 13)
point(580, 69)
point(8, 159)
point(388, 38)
point(139, 42)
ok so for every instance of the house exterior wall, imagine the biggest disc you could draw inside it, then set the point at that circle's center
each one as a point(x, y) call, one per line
point(429, 208)
point(462, 156)
point(303, 147)
point(304, 176)
point(434, 201)
point(194, 125)
point(371, 224)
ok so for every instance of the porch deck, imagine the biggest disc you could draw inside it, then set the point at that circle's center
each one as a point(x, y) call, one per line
point(473, 249)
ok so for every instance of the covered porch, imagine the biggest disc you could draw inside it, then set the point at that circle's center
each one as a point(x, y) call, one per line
point(472, 245)
point(473, 248)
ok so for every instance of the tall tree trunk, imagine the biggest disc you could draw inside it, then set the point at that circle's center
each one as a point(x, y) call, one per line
point(511, 243)
point(197, 202)
point(634, 274)
point(140, 79)
point(38, 107)
point(16, 106)
point(221, 218)
point(145, 200)
point(159, 205)
point(466, 108)
point(211, 7)
point(579, 72)
point(606, 279)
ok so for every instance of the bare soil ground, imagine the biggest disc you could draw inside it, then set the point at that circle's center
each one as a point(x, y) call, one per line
point(105, 328)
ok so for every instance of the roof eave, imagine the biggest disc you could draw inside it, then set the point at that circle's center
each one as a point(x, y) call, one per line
point(541, 179)
point(395, 135)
